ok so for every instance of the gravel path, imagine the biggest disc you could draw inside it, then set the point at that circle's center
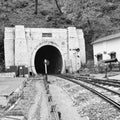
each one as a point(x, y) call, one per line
point(39, 110)
point(64, 104)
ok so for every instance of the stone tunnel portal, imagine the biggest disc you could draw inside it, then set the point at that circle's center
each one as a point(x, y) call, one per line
point(53, 55)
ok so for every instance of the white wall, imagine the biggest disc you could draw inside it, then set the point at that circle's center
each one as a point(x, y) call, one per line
point(9, 47)
point(81, 46)
point(21, 53)
point(114, 45)
point(107, 46)
point(21, 44)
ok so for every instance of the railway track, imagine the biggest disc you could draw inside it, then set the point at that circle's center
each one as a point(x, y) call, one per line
point(91, 85)
point(14, 99)
point(99, 82)
point(109, 82)
point(102, 84)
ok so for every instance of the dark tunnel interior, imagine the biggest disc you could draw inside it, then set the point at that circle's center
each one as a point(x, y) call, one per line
point(53, 55)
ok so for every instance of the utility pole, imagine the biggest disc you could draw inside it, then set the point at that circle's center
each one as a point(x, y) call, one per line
point(45, 63)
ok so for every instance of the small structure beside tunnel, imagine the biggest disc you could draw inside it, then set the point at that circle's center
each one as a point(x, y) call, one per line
point(107, 50)
point(28, 47)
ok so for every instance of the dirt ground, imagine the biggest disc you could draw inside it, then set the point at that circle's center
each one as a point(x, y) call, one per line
point(39, 110)
point(64, 103)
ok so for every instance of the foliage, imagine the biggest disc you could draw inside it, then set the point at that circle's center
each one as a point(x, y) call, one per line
point(97, 18)
point(102, 16)
point(101, 67)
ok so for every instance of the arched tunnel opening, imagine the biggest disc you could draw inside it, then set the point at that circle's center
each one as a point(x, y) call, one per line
point(53, 55)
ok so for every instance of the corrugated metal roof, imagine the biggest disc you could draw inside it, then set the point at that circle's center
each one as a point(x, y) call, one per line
point(107, 38)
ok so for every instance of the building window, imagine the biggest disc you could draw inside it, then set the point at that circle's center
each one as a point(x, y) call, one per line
point(99, 57)
point(112, 55)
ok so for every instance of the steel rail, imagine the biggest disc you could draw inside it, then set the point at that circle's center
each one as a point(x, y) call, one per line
point(97, 85)
point(103, 87)
point(105, 82)
point(117, 105)
point(94, 83)
point(109, 80)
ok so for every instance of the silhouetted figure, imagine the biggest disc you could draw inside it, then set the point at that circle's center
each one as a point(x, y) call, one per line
point(59, 115)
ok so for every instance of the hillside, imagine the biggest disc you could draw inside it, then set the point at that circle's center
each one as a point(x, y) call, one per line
point(96, 18)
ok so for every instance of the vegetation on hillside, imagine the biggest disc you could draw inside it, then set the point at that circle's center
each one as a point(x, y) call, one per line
point(97, 18)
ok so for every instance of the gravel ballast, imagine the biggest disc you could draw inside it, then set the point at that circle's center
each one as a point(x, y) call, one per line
point(88, 104)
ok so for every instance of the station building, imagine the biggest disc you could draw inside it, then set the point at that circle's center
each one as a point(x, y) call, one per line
point(29, 47)
point(107, 48)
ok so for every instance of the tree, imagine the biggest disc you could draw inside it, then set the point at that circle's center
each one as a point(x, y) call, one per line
point(56, 2)
point(36, 6)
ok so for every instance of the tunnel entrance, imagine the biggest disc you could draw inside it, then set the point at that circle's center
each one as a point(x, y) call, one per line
point(53, 55)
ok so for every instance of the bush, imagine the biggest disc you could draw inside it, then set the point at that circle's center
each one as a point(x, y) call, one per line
point(44, 12)
point(48, 18)
point(101, 67)
point(4, 17)
point(91, 68)
point(21, 4)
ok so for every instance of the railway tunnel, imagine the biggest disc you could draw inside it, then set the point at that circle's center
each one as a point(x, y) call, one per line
point(53, 55)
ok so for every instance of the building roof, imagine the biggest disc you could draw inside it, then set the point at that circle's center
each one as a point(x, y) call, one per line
point(106, 38)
